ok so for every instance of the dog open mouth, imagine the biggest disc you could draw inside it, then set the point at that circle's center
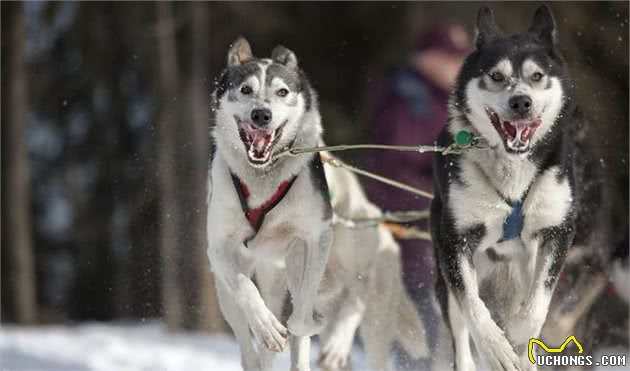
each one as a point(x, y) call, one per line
point(516, 134)
point(259, 142)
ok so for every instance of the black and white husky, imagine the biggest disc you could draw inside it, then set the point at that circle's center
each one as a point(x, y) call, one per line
point(504, 217)
point(269, 216)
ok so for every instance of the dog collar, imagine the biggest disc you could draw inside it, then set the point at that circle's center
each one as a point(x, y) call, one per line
point(256, 215)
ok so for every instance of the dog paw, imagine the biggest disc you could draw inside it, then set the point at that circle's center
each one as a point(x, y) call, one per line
point(269, 332)
point(300, 327)
point(500, 355)
point(335, 353)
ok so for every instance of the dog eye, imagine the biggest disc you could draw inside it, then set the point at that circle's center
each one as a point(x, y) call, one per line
point(282, 92)
point(246, 90)
point(497, 76)
point(537, 76)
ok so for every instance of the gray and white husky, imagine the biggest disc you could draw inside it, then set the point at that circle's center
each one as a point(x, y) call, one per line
point(269, 216)
point(362, 287)
point(269, 221)
point(504, 217)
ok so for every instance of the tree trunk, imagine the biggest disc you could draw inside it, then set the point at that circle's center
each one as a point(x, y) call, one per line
point(172, 309)
point(17, 238)
point(209, 316)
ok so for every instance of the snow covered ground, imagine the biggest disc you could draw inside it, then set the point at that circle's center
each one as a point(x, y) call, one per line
point(122, 347)
point(128, 347)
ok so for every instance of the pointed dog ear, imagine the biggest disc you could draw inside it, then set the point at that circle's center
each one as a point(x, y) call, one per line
point(284, 56)
point(544, 25)
point(486, 29)
point(239, 53)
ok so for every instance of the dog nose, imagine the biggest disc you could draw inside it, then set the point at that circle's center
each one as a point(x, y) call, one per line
point(261, 116)
point(520, 104)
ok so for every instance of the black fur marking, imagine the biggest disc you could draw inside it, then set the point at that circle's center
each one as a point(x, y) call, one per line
point(555, 245)
point(318, 179)
point(487, 29)
point(516, 48)
point(494, 256)
point(544, 25)
point(307, 91)
point(296, 80)
point(213, 152)
point(233, 76)
point(211, 126)
point(592, 204)
point(241, 197)
point(449, 245)
point(290, 76)
point(446, 168)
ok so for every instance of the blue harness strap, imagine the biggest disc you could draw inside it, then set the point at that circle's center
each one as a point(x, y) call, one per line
point(513, 224)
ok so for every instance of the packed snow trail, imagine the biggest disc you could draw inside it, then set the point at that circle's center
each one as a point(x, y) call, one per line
point(134, 347)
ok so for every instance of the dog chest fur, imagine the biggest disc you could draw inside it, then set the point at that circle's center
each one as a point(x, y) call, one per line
point(299, 214)
point(487, 180)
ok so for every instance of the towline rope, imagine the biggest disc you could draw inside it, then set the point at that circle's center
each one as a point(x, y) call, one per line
point(464, 141)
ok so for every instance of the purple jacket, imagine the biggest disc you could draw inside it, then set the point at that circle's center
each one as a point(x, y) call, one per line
point(406, 109)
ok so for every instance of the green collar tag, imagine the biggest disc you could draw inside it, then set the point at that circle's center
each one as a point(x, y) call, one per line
point(463, 138)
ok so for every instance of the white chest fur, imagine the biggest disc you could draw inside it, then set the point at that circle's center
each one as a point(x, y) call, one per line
point(481, 200)
point(489, 179)
point(300, 213)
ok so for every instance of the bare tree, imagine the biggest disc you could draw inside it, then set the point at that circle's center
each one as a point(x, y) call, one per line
point(209, 315)
point(16, 211)
point(172, 307)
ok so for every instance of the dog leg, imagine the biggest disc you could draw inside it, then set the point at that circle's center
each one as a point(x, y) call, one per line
point(228, 267)
point(300, 347)
point(305, 264)
point(337, 344)
point(461, 339)
point(237, 321)
point(272, 285)
point(488, 336)
point(530, 319)
point(381, 300)
point(378, 335)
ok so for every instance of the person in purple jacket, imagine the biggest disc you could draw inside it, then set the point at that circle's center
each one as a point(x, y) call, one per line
point(409, 107)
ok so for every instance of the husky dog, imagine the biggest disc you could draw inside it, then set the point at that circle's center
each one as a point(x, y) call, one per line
point(269, 216)
point(363, 285)
point(504, 216)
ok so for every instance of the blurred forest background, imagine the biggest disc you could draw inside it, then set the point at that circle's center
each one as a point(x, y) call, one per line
point(105, 137)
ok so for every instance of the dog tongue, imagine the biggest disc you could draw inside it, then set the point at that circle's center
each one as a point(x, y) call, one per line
point(523, 129)
point(510, 129)
point(260, 140)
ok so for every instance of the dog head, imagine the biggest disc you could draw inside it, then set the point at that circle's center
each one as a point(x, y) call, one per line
point(260, 102)
point(512, 89)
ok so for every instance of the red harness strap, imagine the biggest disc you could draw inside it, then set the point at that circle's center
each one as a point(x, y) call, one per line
point(257, 216)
